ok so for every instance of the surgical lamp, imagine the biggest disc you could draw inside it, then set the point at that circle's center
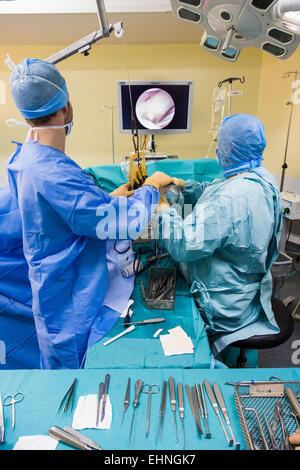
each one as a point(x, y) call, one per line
point(230, 26)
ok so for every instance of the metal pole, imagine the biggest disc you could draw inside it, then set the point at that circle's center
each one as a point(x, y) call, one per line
point(101, 12)
point(229, 101)
point(291, 103)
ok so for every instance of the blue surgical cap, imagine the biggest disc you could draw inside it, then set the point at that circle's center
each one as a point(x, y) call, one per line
point(241, 143)
point(38, 88)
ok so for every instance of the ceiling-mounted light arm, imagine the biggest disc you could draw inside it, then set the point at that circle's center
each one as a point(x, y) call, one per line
point(84, 45)
point(228, 38)
point(102, 17)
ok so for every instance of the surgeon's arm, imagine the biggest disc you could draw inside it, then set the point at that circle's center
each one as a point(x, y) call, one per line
point(193, 190)
point(99, 215)
point(198, 235)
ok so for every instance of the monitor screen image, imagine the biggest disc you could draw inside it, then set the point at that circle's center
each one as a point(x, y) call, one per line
point(159, 107)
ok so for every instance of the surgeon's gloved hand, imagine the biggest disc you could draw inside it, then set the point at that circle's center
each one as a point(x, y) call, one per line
point(124, 190)
point(295, 439)
point(159, 180)
point(162, 204)
point(179, 183)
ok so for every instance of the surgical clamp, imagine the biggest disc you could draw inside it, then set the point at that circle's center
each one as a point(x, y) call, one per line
point(11, 400)
point(150, 390)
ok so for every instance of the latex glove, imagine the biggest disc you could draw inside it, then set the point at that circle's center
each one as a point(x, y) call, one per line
point(162, 204)
point(179, 183)
point(295, 439)
point(159, 180)
point(124, 190)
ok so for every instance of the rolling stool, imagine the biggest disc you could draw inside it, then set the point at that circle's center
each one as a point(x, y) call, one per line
point(284, 321)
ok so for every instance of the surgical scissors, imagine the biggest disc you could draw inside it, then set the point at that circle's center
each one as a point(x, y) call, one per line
point(152, 389)
point(11, 400)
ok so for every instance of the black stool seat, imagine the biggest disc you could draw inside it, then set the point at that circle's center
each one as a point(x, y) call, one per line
point(284, 321)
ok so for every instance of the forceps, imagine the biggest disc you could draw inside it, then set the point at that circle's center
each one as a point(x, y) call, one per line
point(150, 390)
point(11, 400)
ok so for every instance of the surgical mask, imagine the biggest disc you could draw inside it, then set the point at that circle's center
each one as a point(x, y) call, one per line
point(15, 122)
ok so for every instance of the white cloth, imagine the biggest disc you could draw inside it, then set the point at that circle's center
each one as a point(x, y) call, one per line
point(116, 282)
point(176, 342)
point(85, 415)
point(35, 443)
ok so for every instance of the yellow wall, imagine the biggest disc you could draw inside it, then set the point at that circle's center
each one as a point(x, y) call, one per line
point(274, 94)
point(92, 83)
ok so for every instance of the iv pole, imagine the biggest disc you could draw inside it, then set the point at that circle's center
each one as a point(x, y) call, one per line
point(289, 103)
point(230, 81)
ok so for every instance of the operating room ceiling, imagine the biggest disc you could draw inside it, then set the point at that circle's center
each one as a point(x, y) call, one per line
point(51, 29)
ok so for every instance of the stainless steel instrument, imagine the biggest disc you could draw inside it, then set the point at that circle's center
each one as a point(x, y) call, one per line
point(214, 403)
point(145, 322)
point(222, 405)
point(82, 438)
point(100, 394)
point(285, 439)
point(11, 400)
point(138, 389)
point(294, 402)
point(181, 409)
point(126, 399)
point(150, 390)
point(104, 399)
point(162, 410)
point(270, 432)
point(205, 415)
point(2, 429)
point(191, 402)
point(68, 399)
point(196, 409)
point(260, 427)
point(77, 441)
point(173, 402)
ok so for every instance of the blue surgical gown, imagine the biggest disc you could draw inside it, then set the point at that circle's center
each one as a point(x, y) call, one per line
point(226, 247)
point(67, 267)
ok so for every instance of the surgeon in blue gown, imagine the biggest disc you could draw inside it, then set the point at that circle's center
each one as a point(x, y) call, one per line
point(66, 220)
point(229, 240)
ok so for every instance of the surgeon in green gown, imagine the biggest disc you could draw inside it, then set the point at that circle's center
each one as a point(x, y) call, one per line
point(228, 242)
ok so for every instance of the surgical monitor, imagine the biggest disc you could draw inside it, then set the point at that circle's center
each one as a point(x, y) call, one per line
point(160, 107)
